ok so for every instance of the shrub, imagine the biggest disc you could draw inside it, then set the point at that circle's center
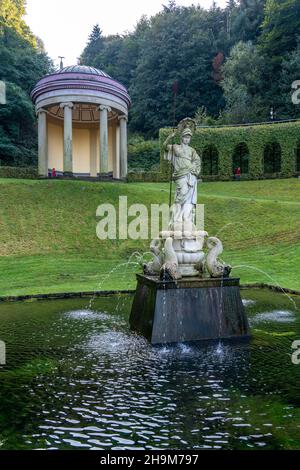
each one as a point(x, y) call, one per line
point(143, 155)
point(18, 172)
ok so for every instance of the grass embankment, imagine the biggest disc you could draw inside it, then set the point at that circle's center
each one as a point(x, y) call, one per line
point(48, 237)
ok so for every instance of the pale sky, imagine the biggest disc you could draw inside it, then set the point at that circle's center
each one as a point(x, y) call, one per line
point(64, 25)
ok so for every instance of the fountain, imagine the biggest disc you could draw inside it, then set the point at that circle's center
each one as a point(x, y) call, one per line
point(185, 293)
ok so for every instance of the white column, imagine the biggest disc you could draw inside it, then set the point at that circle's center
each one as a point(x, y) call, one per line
point(68, 138)
point(117, 152)
point(114, 151)
point(42, 142)
point(123, 146)
point(104, 110)
point(93, 153)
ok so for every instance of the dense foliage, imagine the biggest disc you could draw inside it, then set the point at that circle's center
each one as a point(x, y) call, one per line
point(233, 63)
point(143, 155)
point(180, 44)
point(18, 172)
point(22, 62)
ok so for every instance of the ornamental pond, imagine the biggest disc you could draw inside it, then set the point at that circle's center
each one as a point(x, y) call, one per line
point(78, 378)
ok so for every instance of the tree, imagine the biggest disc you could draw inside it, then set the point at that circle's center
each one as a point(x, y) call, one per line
point(115, 54)
point(243, 84)
point(17, 129)
point(22, 63)
point(248, 19)
point(177, 46)
point(217, 63)
point(202, 119)
point(94, 46)
point(230, 11)
point(289, 74)
point(280, 28)
point(11, 16)
point(171, 6)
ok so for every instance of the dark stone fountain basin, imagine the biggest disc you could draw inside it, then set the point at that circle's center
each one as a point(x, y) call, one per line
point(190, 309)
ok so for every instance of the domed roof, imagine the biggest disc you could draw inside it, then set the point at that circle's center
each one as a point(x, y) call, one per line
point(84, 69)
point(77, 80)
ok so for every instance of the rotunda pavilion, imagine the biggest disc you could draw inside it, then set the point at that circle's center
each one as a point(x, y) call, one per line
point(82, 123)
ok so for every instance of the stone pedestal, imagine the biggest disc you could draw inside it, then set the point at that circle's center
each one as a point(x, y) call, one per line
point(190, 309)
point(189, 254)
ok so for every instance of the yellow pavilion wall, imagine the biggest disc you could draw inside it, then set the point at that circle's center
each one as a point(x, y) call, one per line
point(83, 146)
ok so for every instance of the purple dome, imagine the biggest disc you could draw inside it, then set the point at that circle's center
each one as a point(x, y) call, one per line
point(80, 77)
point(84, 69)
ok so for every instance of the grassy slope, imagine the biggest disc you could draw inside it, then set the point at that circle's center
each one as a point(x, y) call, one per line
point(48, 241)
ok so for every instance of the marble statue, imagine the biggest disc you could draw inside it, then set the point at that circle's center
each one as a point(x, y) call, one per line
point(179, 251)
point(215, 267)
point(186, 170)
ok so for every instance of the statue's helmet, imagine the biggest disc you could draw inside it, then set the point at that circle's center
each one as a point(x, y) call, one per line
point(186, 131)
point(186, 126)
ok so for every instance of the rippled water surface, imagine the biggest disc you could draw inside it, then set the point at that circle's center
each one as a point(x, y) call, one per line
point(79, 379)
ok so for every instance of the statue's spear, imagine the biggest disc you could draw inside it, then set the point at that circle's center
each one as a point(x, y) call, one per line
point(175, 91)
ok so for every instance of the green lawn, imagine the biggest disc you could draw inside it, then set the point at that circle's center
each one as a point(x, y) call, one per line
point(48, 237)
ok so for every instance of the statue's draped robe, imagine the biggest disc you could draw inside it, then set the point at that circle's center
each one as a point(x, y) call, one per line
point(186, 169)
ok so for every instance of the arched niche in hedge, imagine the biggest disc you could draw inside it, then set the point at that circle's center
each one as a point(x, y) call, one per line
point(298, 157)
point(240, 158)
point(272, 158)
point(210, 161)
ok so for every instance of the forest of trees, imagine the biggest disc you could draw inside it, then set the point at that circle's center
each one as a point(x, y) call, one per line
point(23, 61)
point(231, 64)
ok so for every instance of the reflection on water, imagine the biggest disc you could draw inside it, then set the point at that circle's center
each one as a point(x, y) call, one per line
point(247, 302)
point(282, 316)
point(87, 315)
point(78, 378)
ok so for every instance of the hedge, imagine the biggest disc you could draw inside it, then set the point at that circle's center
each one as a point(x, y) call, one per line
point(143, 155)
point(256, 137)
point(18, 172)
point(146, 177)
